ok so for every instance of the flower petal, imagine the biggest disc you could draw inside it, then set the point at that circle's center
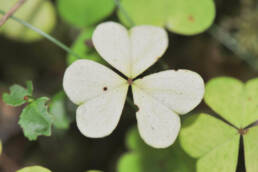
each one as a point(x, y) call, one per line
point(112, 42)
point(158, 125)
point(149, 43)
point(85, 79)
point(180, 91)
point(99, 116)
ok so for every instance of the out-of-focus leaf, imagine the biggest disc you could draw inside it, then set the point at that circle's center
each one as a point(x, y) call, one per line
point(17, 94)
point(39, 13)
point(0, 147)
point(34, 169)
point(251, 149)
point(84, 48)
point(35, 119)
point(57, 109)
point(144, 158)
point(233, 100)
point(187, 17)
point(83, 13)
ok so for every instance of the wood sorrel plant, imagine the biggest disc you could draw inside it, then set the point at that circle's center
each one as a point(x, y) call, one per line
point(101, 93)
point(216, 143)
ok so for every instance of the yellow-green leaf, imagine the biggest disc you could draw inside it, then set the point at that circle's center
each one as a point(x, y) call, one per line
point(185, 17)
point(234, 101)
point(34, 169)
point(251, 149)
point(39, 13)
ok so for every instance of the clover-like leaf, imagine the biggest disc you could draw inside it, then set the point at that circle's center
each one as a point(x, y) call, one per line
point(142, 157)
point(232, 100)
point(215, 142)
point(251, 149)
point(185, 17)
point(83, 13)
point(57, 109)
point(84, 48)
point(18, 94)
point(35, 119)
point(38, 13)
point(34, 169)
point(211, 140)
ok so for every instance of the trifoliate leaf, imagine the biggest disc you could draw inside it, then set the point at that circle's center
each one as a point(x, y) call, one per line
point(211, 140)
point(251, 149)
point(84, 48)
point(83, 13)
point(34, 169)
point(57, 109)
point(142, 157)
point(185, 17)
point(17, 94)
point(234, 101)
point(35, 119)
point(39, 13)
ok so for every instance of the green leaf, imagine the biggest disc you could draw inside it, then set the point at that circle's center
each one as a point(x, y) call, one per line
point(17, 94)
point(34, 169)
point(81, 47)
point(1, 147)
point(234, 101)
point(211, 140)
point(39, 13)
point(187, 17)
point(144, 158)
point(251, 149)
point(35, 119)
point(58, 111)
point(83, 13)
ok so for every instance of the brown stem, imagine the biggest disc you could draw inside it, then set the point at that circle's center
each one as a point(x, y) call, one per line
point(18, 4)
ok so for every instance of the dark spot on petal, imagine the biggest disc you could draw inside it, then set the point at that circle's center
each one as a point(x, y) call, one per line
point(191, 18)
point(105, 88)
point(243, 131)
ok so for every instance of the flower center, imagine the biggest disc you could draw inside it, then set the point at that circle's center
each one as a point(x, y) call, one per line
point(130, 81)
point(243, 131)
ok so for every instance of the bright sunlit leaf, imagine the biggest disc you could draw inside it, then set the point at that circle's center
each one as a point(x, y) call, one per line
point(83, 13)
point(211, 140)
point(142, 158)
point(39, 13)
point(215, 142)
point(35, 119)
point(84, 48)
point(101, 93)
point(18, 94)
point(233, 100)
point(185, 17)
point(34, 169)
point(58, 111)
point(251, 149)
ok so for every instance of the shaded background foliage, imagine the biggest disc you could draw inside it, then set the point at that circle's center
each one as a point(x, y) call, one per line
point(44, 63)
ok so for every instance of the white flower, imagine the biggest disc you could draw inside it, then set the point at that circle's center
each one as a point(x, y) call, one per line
point(101, 93)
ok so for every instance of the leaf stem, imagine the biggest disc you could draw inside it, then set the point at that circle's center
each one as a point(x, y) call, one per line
point(45, 35)
point(124, 12)
point(11, 11)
